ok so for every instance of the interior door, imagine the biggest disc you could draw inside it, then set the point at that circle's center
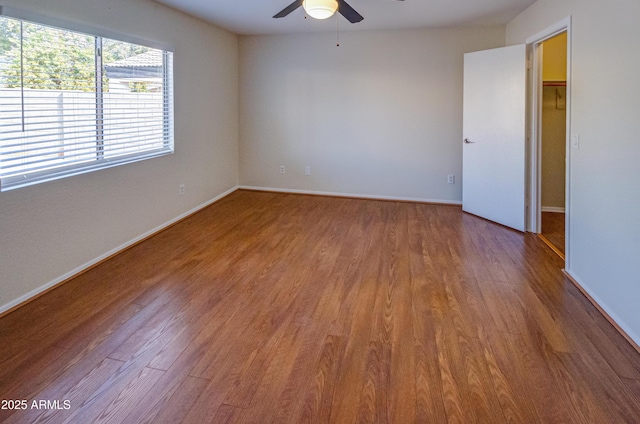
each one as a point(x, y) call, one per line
point(493, 153)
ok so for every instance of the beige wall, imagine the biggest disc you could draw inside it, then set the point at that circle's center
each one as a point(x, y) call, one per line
point(381, 115)
point(604, 231)
point(553, 150)
point(554, 64)
point(554, 136)
point(51, 230)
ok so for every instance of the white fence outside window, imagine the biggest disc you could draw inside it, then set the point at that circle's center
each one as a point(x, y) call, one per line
point(56, 119)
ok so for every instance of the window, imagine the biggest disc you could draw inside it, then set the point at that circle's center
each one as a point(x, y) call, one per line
point(71, 102)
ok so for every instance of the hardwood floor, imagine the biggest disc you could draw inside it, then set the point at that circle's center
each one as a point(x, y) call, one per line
point(553, 230)
point(276, 308)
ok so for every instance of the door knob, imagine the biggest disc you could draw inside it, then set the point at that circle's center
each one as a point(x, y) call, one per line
point(467, 141)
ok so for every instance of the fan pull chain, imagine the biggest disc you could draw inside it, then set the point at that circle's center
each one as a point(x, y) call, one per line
point(337, 30)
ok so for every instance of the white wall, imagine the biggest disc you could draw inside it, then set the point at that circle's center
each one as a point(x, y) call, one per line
point(381, 115)
point(604, 229)
point(50, 230)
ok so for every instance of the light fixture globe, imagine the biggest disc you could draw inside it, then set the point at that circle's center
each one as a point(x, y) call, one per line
point(320, 9)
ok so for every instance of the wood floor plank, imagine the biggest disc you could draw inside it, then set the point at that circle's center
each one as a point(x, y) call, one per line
point(399, 321)
point(428, 382)
point(170, 409)
point(78, 363)
point(536, 360)
point(613, 400)
point(319, 397)
point(299, 380)
point(453, 390)
point(553, 228)
point(359, 319)
point(285, 308)
point(255, 399)
point(598, 337)
point(226, 414)
point(76, 395)
point(46, 365)
point(113, 402)
point(515, 409)
point(373, 406)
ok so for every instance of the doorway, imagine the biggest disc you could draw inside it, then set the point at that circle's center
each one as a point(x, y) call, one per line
point(553, 130)
point(550, 147)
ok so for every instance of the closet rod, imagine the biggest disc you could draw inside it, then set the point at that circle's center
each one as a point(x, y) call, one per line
point(554, 83)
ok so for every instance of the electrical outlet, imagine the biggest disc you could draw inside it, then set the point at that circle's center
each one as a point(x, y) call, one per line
point(307, 170)
point(181, 189)
point(282, 169)
point(451, 179)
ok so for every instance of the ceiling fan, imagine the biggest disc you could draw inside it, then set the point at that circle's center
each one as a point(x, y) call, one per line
point(322, 9)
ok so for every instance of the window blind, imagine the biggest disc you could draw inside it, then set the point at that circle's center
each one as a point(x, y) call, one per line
point(72, 102)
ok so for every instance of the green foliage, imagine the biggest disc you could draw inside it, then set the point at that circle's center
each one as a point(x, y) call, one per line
point(116, 50)
point(68, 63)
point(139, 87)
point(7, 31)
point(51, 58)
point(54, 59)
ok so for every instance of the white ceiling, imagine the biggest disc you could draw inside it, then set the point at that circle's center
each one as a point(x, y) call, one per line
point(255, 16)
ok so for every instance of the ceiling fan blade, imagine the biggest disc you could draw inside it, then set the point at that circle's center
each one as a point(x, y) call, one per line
point(349, 12)
point(284, 12)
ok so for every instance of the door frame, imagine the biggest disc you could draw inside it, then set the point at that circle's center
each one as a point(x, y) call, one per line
point(535, 125)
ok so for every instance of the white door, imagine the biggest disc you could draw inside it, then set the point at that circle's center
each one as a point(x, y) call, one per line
point(493, 153)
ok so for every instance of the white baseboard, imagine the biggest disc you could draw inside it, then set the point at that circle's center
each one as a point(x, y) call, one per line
point(356, 196)
point(552, 209)
point(632, 337)
point(83, 267)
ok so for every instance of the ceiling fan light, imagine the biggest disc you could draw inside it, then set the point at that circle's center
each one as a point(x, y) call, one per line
point(320, 9)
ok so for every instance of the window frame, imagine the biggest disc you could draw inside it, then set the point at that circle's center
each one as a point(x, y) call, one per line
point(35, 177)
